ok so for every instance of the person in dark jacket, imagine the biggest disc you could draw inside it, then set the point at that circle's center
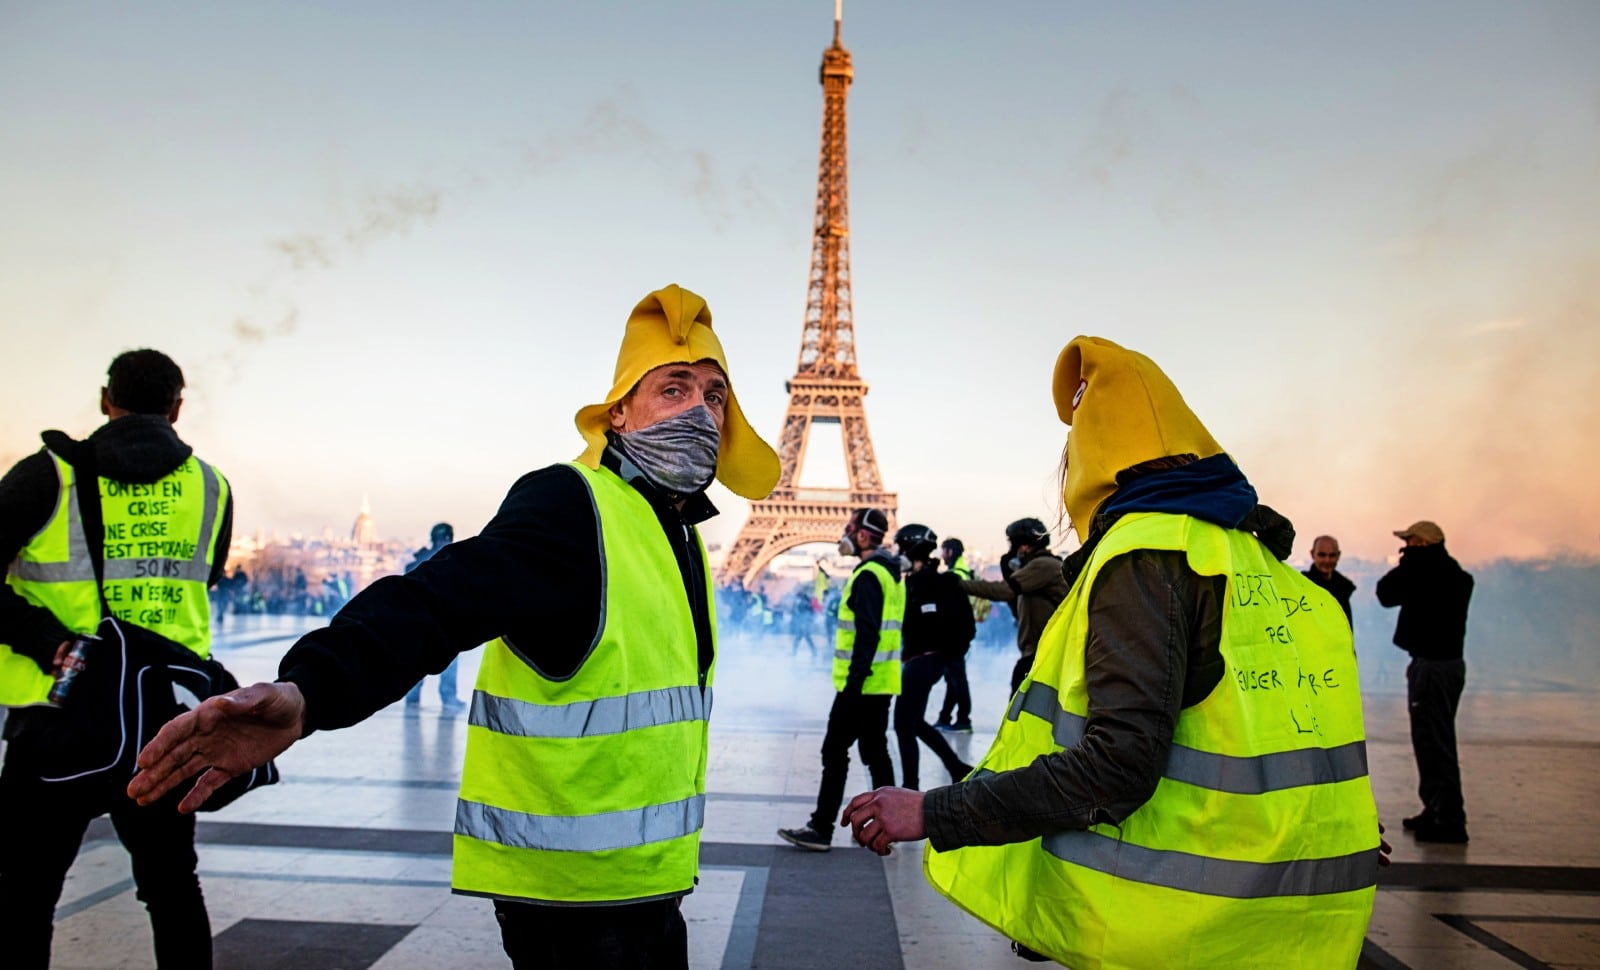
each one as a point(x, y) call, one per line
point(1325, 573)
point(536, 581)
point(1031, 582)
point(41, 824)
point(1432, 591)
point(938, 625)
point(860, 711)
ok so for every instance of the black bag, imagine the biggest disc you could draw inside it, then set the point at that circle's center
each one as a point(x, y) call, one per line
point(133, 681)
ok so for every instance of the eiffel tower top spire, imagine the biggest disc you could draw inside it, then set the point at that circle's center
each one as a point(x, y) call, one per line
point(827, 344)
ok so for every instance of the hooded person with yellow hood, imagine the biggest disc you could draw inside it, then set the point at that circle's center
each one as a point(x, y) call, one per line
point(583, 789)
point(1181, 779)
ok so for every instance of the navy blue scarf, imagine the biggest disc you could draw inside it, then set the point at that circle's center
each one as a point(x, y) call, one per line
point(1212, 489)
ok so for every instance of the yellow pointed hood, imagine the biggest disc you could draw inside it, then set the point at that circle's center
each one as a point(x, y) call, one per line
point(1123, 411)
point(673, 326)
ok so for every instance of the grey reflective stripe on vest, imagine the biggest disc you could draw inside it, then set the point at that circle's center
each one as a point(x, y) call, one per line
point(850, 625)
point(881, 657)
point(585, 719)
point(1204, 769)
point(1215, 877)
point(581, 833)
point(79, 569)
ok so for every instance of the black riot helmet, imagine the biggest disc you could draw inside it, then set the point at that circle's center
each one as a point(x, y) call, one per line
point(1029, 532)
point(916, 542)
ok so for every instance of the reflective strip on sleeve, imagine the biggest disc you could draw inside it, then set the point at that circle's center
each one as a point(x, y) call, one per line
point(1204, 769)
point(584, 719)
point(1215, 877)
point(580, 833)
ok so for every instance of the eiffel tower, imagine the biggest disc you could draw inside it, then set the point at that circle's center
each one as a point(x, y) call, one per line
point(826, 388)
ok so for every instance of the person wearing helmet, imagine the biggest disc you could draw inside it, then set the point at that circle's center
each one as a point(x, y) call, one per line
point(866, 674)
point(440, 536)
point(938, 625)
point(1182, 779)
point(583, 789)
point(1031, 583)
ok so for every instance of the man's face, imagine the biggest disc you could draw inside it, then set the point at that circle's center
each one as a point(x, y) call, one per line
point(669, 390)
point(1325, 556)
point(948, 555)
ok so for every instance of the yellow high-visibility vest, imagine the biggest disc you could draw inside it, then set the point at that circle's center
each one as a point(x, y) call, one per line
point(885, 676)
point(591, 789)
point(159, 546)
point(1259, 847)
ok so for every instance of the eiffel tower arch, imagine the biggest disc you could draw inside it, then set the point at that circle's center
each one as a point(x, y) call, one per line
point(826, 387)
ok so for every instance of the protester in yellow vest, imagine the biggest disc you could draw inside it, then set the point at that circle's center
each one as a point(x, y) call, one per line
point(583, 792)
point(1181, 779)
point(866, 674)
point(167, 522)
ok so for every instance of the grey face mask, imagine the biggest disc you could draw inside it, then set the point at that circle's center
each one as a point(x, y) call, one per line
point(678, 455)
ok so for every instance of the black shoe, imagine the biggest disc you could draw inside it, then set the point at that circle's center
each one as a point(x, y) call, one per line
point(961, 727)
point(1421, 818)
point(1032, 956)
point(1431, 831)
point(806, 838)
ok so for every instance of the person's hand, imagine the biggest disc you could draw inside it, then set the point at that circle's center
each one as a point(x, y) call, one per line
point(880, 818)
point(1384, 848)
point(225, 736)
point(60, 658)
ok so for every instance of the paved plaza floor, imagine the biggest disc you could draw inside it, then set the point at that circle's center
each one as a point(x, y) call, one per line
point(345, 864)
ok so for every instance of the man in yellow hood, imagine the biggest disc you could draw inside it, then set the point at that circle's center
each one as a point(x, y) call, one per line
point(583, 790)
point(1181, 779)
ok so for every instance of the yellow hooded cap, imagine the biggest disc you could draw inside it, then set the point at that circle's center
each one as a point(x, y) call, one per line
point(1123, 411)
point(673, 326)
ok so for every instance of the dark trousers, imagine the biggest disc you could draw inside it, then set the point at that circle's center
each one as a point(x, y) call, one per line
point(862, 720)
point(918, 676)
point(1433, 692)
point(957, 695)
point(638, 936)
point(41, 826)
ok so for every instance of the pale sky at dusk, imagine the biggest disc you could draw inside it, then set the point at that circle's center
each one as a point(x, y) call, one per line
point(393, 245)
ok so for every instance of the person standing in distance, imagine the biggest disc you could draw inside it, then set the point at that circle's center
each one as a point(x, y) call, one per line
point(439, 536)
point(150, 483)
point(1325, 573)
point(583, 791)
point(955, 714)
point(866, 674)
point(1432, 591)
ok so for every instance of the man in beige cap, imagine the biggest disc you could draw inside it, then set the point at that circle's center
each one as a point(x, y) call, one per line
point(1432, 591)
point(583, 790)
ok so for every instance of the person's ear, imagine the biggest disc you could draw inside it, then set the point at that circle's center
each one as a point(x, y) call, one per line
point(172, 416)
point(105, 401)
point(618, 419)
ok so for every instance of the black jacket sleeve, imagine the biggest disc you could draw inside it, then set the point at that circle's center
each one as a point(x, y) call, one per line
point(866, 602)
point(28, 496)
point(1155, 630)
point(532, 576)
point(955, 611)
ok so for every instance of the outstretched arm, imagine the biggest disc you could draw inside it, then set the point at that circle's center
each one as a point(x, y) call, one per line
point(225, 736)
